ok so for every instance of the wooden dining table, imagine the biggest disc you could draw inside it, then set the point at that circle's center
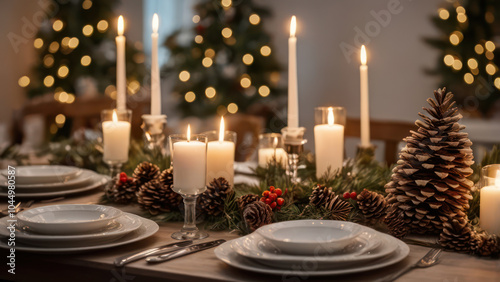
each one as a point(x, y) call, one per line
point(204, 265)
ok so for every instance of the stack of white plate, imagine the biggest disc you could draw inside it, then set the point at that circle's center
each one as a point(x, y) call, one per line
point(42, 181)
point(313, 248)
point(75, 228)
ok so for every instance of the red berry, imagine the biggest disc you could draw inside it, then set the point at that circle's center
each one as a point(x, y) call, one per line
point(278, 192)
point(268, 201)
point(263, 199)
point(123, 174)
point(347, 195)
point(273, 205)
point(353, 195)
point(265, 193)
point(280, 201)
point(278, 207)
point(271, 188)
point(123, 179)
point(273, 196)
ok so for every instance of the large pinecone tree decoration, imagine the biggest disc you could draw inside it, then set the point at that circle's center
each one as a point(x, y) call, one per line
point(257, 214)
point(123, 190)
point(155, 197)
point(372, 205)
point(429, 184)
point(146, 172)
point(212, 200)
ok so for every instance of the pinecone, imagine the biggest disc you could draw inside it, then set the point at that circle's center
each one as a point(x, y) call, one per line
point(395, 223)
point(244, 200)
point(257, 214)
point(212, 200)
point(457, 235)
point(166, 179)
point(490, 246)
point(320, 196)
point(122, 192)
point(339, 208)
point(156, 197)
point(372, 205)
point(145, 172)
point(429, 184)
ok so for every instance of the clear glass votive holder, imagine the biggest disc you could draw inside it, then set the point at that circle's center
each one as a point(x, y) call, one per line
point(116, 138)
point(154, 127)
point(489, 205)
point(189, 162)
point(271, 149)
point(220, 155)
point(329, 140)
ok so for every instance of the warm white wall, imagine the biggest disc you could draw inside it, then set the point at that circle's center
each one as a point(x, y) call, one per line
point(396, 56)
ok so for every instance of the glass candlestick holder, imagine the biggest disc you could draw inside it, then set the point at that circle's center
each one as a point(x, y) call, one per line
point(116, 138)
point(293, 139)
point(154, 134)
point(189, 162)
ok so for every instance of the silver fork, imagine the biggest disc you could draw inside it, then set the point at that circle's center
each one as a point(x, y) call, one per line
point(430, 259)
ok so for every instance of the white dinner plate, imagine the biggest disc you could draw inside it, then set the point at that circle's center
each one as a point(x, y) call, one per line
point(226, 254)
point(147, 229)
point(37, 174)
point(124, 225)
point(98, 180)
point(82, 179)
point(369, 246)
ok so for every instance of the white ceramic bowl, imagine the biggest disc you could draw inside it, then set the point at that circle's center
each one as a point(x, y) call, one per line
point(310, 237)
point(68, 219)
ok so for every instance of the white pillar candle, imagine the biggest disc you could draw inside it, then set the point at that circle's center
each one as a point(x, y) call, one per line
point(365, 108)
point(266, 155)
point(155, 70)
point(189, 165)
point(121, 98)
point(329, 145)
point(490, 207)
point(220, 158)
point(293, 102)
point(116, 139)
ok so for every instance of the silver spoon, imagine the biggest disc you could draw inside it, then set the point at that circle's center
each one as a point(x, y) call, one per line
point(430, 259)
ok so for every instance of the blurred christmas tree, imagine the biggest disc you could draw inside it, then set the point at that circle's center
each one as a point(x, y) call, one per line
point(77, 53)
point(227, 65)
point(467, 63)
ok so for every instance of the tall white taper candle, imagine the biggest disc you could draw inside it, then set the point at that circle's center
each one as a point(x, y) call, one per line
point(121, 80)
point(293, 103)
point(155, 70)
point(365, 108)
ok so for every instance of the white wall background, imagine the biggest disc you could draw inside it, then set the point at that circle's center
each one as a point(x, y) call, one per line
point(397, 54)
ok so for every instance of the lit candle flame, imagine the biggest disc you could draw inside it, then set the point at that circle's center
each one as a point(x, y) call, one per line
point(115, 117)
point(293, 26)
point(189, 133)
point(120, 25)
point(155, 23)
point(331, 119)
point(497, 179)
point(221, 130)
point(363, 55)
point(275, 143)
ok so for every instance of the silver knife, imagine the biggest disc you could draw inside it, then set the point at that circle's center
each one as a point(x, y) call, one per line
point(121, 261)
point(185, 251)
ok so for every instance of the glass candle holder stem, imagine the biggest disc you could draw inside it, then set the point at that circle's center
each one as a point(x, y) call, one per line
point(294, 141)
